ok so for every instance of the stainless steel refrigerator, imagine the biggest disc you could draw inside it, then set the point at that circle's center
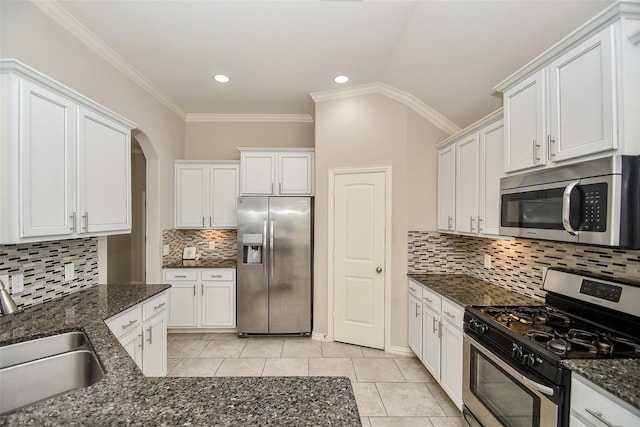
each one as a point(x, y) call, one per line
point(275, 250)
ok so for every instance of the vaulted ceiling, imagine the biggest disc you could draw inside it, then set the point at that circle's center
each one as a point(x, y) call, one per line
point(448, 54)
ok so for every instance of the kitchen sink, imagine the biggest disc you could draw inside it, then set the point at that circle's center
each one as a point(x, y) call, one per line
point(27, 351)
point(28, 377)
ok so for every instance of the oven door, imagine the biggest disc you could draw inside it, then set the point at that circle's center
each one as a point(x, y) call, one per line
point(496, 394)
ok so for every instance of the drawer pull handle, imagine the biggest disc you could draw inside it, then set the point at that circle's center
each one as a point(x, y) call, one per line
point(427, 299)
point(417, 310)
point(216, 275)
point(129, 324)
point(181, 276)
point(600, 418)
point(412, 289)
point(158, 306)
point(150, 336)
point(449, 314)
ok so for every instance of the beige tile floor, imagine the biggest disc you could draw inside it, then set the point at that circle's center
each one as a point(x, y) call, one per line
point(390, 390)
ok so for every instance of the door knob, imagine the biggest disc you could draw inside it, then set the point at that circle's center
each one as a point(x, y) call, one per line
point(379, 270)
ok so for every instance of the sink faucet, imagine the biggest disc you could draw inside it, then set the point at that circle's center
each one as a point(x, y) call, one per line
point(7, 304)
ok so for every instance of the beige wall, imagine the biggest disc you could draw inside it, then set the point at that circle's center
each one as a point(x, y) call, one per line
point(373, 130)
point(218, 140)
point(30, 36)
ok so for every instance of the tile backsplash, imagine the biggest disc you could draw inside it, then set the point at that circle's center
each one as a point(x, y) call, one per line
point(225, 243)
point(516, 264)
point(42, 265)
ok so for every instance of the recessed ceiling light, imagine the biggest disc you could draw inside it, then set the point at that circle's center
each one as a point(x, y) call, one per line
point(341, 79)
point(221, 78)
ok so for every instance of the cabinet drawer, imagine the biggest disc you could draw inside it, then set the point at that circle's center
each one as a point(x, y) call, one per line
point(415, 289)
point(217, 274)
point(181, 274)
point(589, 404)
point(431, 300)
point(128, 321)
point(452, 313)
point(154, 306)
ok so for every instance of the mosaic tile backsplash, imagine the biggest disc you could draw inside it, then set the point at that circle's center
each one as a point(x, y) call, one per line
point(42, 265)
point(225, 243)
point(515, 264)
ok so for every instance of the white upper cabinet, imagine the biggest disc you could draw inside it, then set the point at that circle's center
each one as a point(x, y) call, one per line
point(206, 194)
point(491, 139)
point(104, 175)
point(46, 162)
point(469, 172)
point(66, 162)
point(581, 95)
point(579, 99)
point(467, 190)
point(525, 124)
point(272, 172)
point(447, 188)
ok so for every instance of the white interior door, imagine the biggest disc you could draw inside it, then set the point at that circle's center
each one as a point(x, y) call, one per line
point(359, 258)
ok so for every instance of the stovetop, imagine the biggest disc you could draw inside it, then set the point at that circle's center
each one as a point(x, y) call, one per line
point(566, 336)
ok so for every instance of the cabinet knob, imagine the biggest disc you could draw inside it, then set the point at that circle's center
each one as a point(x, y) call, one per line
point(379, 270)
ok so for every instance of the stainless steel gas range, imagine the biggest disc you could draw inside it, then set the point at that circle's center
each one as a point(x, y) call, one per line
point(513, 373)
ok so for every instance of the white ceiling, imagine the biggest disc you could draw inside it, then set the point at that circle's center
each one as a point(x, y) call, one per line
point(448, 54)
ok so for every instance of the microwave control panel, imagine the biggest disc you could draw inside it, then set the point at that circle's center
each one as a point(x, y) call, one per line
point(595, 207)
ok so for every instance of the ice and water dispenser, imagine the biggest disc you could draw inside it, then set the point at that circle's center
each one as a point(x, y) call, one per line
point(252, 248)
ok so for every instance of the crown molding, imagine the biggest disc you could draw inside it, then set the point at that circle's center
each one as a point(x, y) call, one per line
point(273, 118)
point(397, 95)
point(59, 14)
point(483, 122)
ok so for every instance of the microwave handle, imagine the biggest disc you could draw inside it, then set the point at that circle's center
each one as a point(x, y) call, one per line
point(566, 208)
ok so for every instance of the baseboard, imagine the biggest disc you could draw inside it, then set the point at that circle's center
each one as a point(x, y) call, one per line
point(202, 330)
point(401, 351)
point(319, 336)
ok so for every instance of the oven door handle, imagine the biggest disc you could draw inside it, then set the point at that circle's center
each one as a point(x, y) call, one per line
point(540, 387)
point(566, 208)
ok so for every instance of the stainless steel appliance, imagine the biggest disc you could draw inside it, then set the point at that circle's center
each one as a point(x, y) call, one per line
point(513, 375)
point(274, 280)
point(594, 202)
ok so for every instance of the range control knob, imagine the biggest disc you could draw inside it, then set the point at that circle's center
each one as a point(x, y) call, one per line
point(532, 360)
point(478, 326)
point(516, 351)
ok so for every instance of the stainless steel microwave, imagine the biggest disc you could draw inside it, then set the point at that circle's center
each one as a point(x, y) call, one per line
point(594, 202)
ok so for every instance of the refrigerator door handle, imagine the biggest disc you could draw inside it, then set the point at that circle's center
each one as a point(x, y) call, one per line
point(271, 246)
point(264, 246)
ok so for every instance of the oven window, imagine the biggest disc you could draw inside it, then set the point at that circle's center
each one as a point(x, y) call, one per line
point(508, 401)
point(540, 209)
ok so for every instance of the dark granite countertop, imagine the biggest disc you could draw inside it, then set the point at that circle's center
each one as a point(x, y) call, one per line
point(125, 396)
point(201, 263)
point(466, 290)
point(620, 377)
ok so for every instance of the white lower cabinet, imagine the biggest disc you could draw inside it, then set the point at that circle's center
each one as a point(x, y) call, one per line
point(202, 297)
point(591, 406)
point(415, 318)
point(441, 331)
point(142, 331)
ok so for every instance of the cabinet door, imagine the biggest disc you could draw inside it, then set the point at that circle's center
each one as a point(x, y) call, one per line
point(415, 325)
point(524, 124)
point(191, 195)
point(132, 343)
point(581, 101)
point(183, 304)
point(219, 304)
point(295, 172)
point(47, 138)
point(431, 331)
point(224, 189)
point(491, 163)
point(258, 173)
point(154, 355)
point(104, 180)
point(451, 380)
point(447, 188)
point(467, 185)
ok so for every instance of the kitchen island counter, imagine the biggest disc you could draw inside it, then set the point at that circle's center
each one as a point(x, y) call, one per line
point(125, 396)
point(466, 290)
point(201, 263)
